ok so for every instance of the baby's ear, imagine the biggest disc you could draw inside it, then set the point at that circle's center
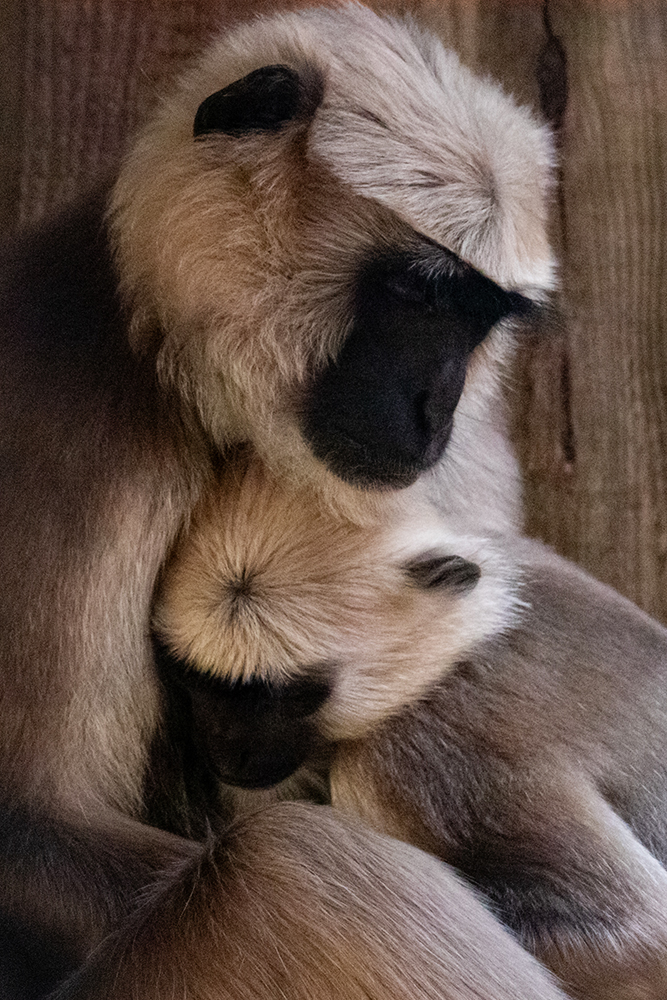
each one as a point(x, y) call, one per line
point(430, 570)
point(263, 101)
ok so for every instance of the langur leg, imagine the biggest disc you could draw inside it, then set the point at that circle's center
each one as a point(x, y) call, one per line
point(569, 876)
point(299, 902)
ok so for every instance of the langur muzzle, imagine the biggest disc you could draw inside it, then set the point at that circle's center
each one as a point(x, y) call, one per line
point(382, 411)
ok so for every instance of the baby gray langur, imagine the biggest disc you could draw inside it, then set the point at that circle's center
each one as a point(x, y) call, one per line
point(480, 698)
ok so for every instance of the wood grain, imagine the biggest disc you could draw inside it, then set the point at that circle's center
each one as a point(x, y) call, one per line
point(11, 103)
point(594, 437)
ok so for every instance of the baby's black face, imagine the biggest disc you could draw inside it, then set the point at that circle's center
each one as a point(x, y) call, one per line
point(252, 734)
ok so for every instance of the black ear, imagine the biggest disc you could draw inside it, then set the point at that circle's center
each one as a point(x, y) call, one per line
point(262, 101)
point(448, 572)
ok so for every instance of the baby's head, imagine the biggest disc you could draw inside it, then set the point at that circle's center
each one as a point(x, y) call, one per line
point(273, 604)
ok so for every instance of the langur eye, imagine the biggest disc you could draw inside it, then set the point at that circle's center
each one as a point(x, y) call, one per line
point(262, 101)
point(451, 573)
point(411, 285)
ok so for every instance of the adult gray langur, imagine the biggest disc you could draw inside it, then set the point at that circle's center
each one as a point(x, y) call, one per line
point(318, 246)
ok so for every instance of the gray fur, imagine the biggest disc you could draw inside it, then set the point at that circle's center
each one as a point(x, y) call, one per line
point(539, 768)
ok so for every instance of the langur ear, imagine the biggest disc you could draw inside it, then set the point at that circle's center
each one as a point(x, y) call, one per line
point(262, 101)
point(452, 573)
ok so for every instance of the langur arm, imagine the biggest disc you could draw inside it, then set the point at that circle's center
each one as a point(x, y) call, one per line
point(67, 883)
point(560, 867)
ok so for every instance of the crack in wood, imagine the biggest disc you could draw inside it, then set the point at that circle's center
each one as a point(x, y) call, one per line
point(552, 80)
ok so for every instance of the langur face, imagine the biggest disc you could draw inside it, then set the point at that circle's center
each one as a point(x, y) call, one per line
point(379, 412)
point(382, 411)
point(257, 731)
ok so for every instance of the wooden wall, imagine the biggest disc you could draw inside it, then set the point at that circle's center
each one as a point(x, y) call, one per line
point(589, 404)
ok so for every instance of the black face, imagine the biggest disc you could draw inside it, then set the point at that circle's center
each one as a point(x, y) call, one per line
point(252, 735)
point(382, 412)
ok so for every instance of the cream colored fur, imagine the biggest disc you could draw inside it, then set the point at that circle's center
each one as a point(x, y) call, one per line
point(240, 254)
point(268, 584)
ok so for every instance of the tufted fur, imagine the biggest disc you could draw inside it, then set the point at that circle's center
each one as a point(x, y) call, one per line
point(268, 584)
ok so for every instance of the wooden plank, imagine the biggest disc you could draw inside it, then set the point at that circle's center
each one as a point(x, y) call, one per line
point(12, 18)
point(603, 504)
point(89, 72)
